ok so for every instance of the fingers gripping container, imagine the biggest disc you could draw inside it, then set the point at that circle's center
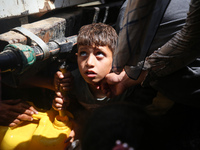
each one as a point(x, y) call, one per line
point(48, 131)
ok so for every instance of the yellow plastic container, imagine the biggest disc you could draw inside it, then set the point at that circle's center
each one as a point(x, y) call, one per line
point(48, 131)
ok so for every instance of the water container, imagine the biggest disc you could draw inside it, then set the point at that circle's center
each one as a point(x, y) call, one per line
point(48, 131)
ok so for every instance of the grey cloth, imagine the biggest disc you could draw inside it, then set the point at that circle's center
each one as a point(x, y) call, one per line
point(140, 23)
point(174, 69)
point(165, 73)
point(181, 50)
point(120, 17)
point(173, 20)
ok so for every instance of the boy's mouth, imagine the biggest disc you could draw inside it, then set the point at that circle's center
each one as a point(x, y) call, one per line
point(90, 74)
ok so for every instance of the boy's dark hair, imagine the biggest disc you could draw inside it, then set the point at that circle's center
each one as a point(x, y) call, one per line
point(98, 34)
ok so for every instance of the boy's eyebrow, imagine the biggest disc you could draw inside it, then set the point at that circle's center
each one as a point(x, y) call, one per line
point(95, 48)
point(83, 48)
point(100, 48)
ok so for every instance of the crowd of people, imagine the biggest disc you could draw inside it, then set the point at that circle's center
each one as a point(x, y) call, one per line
point(136, 83)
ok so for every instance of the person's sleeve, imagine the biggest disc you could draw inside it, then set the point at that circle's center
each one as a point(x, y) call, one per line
point(180, 51)
point(140, 23)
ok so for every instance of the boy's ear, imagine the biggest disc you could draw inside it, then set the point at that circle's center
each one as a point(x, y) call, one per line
point(76, 54)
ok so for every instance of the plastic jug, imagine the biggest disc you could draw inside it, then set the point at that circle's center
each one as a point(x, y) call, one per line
point(47, 131)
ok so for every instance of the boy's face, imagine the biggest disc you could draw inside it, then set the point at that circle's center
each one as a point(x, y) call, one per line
point(94, 62)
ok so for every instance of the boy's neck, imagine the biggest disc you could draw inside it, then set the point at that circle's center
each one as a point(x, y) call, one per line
point(96, 92)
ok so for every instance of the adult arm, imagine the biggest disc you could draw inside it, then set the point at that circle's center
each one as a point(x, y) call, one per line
point(115, 84)
point(181, 50)
point(13, 112)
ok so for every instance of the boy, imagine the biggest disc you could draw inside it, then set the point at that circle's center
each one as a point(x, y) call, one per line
point(96, 43)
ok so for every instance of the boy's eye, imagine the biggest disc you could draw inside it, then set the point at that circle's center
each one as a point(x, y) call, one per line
point(83, 53)
point(100, 54)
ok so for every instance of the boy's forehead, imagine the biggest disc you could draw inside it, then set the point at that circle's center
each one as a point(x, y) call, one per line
point(94, 47)
point(104, 49)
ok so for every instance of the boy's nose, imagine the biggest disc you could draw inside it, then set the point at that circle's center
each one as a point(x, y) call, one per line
point(91, 60)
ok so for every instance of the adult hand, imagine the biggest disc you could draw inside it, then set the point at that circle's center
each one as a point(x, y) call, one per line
point(13, 112)
point(63, 81)
point(113, 84)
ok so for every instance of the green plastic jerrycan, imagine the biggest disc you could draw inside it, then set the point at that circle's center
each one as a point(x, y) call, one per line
point(48, 131)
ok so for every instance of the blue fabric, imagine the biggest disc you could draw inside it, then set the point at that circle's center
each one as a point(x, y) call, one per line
point(140, 23)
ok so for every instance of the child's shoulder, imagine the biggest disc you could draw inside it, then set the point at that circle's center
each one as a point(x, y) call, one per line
point(78, 79)
point(76, 74)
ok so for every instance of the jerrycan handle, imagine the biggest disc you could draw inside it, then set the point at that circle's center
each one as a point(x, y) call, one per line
point(63, 69)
